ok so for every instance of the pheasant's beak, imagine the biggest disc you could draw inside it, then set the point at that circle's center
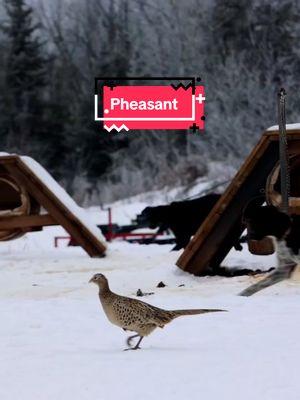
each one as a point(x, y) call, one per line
point(91, 280)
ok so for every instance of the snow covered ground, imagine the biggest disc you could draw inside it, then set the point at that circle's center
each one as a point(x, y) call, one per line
point(55, 342)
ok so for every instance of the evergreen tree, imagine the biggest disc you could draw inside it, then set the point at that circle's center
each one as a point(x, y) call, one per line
point(25, 80)
point(33, 119)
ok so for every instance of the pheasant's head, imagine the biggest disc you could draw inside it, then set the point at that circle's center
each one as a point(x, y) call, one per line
point(100, 280)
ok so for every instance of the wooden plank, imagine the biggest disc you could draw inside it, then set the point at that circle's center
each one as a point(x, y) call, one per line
point(54, 206)
point(222, 204)
point(26, 221)
point(222, 228)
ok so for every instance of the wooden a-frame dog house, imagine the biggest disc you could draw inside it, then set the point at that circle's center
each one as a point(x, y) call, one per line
point(223, 226)
point(26, 188)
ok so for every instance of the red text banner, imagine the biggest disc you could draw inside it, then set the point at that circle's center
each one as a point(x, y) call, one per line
point(134, 107)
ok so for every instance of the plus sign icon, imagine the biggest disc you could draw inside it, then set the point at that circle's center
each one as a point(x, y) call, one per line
point(123, 104)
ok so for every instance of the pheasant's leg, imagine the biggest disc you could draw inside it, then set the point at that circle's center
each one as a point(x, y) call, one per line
point(129, 340)
point(137, 345)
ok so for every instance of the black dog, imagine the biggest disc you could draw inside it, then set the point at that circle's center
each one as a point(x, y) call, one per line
point(268, 221)
point(182, 217)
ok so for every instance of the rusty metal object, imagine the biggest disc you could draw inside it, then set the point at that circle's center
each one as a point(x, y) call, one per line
point(263, 247)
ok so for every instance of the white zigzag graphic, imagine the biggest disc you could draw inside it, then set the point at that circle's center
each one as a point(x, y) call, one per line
point(113, 126)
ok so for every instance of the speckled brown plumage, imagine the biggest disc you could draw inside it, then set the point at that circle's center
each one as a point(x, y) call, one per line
point(135, 315)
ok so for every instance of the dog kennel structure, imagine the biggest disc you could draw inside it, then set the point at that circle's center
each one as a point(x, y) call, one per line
point(259, 175)
point(31, 199)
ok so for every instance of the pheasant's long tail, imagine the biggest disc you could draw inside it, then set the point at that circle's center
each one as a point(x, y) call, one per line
point(179, 313)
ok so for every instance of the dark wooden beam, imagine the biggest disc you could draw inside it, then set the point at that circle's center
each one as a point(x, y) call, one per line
point(26, 221)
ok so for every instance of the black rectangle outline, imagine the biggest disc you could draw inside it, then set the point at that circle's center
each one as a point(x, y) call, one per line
point(152, 78)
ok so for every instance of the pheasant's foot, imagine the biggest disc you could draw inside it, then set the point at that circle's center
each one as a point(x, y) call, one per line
point(132, 348)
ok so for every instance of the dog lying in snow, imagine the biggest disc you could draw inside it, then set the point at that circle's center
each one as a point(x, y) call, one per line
point(268, 221)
